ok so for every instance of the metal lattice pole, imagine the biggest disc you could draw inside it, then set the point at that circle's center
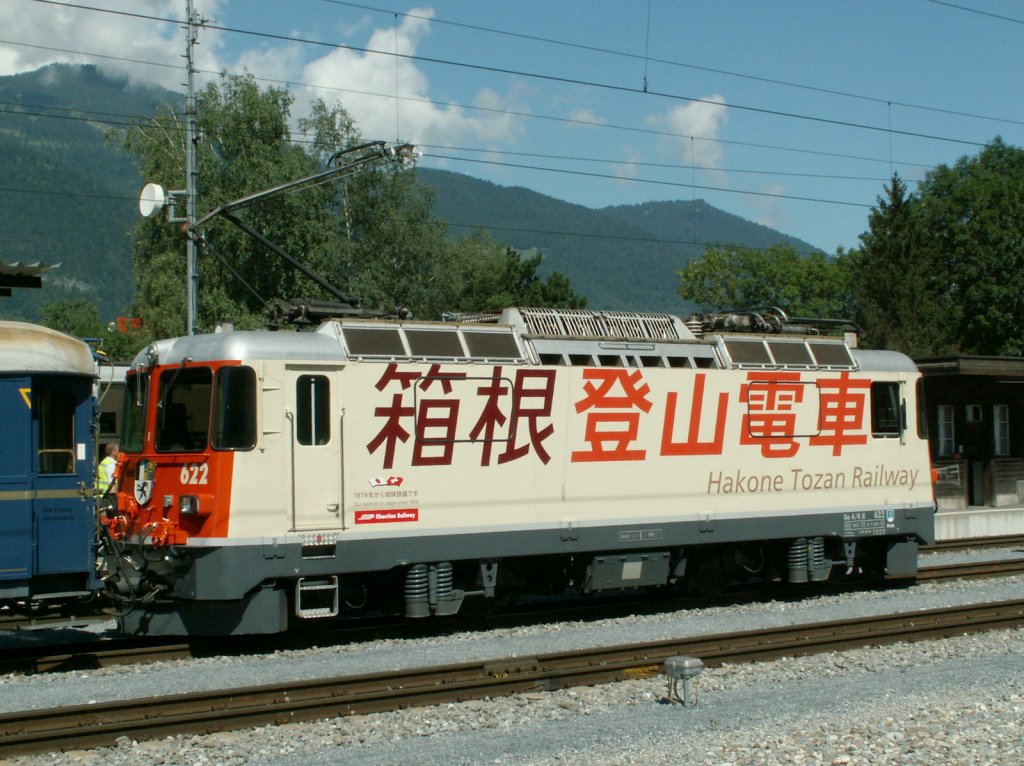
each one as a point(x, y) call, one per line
point(191, 171)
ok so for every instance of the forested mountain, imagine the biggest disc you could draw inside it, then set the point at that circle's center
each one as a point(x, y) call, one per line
point(622, 257)
point(68, 196)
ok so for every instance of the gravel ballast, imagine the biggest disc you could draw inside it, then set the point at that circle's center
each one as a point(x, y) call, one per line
point(957, 700)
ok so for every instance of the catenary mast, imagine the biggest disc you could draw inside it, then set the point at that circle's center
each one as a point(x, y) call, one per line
point(191, 170)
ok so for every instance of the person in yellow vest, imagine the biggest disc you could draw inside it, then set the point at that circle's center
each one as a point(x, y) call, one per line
point(105, 470)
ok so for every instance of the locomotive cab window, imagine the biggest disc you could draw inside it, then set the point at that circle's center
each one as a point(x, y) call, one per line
point(183, 412)
point(313, 402)
point(133, 412)
point(234, 409)
point(886, 411)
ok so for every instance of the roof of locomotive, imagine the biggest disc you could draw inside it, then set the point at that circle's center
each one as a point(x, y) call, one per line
point(31, 348)
point(547, 336)
point(869, 360)
point(237, 345)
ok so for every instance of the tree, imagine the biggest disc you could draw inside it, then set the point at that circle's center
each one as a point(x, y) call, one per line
point(972, 222)
point(900, 288)
point(373, 235)
point(81, 319)
point(492, 276)
point(396, 253)
point(78, 317)
point(741, 277)
point(245, 148)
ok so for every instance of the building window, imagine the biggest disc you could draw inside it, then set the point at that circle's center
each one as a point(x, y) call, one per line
point(946, 435)
point(973, 413)
point(1001, 428)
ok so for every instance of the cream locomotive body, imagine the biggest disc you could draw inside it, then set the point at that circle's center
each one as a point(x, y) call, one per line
point(381, 466)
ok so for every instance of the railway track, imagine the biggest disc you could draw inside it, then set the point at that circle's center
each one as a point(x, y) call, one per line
point(972, 569)
point(101, 724)
point(59, 620)
point(109, 653)
point(968, 543)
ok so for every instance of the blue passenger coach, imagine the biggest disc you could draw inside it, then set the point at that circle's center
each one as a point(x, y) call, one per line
point(47, 465)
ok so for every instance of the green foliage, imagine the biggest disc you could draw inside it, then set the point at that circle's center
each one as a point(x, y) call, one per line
point(972, 216)
point(740, 277)
point(942, 271)
point(396, 254)
point(373, 236)
point(76, 317)
point(899, 286)
point(494, 276)
point(81, 318)
point(246, 148)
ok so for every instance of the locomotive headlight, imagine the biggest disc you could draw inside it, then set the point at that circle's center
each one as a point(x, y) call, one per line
point(188, 505)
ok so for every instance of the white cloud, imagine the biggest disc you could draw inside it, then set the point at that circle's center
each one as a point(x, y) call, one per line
point(627, 169)
point(366, 83)
point(772, 214)
point(589, 117)
point(48, 34)
point(698, 125)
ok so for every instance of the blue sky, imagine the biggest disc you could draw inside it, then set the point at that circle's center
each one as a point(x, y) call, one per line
point(791, 113)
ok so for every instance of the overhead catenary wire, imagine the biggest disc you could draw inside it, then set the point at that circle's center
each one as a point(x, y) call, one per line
point(116, 119)
point(533, 168)
point(696, 67)
point(574, 81)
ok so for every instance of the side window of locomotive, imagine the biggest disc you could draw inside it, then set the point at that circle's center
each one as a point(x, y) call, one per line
point(313, 402)
point(886, 413)
point(133, 414)
point(56, 412)
point(234, 409)
point(183, 413)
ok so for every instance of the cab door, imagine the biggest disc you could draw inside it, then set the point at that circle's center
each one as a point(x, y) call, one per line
point(315, 478)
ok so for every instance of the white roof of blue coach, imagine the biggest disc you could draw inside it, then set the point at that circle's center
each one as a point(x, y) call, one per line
point(31, 348)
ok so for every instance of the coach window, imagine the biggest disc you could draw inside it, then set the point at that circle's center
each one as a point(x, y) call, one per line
point(183, 413)
point(56, 413)
point(234, 409)
point(313, 405)
point(886, 415)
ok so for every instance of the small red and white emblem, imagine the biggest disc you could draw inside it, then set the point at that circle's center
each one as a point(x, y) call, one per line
point(390, 481)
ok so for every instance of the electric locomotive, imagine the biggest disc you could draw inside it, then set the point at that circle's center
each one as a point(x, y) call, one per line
point(411, 467)
point(47, 519)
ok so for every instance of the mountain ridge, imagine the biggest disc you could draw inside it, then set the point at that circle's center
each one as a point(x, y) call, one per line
point(620, 257)
point(69, 196)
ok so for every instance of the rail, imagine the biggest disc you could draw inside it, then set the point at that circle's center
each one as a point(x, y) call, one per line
point(101, 724)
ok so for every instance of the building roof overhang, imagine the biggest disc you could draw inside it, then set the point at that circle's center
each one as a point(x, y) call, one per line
point(991, 366)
